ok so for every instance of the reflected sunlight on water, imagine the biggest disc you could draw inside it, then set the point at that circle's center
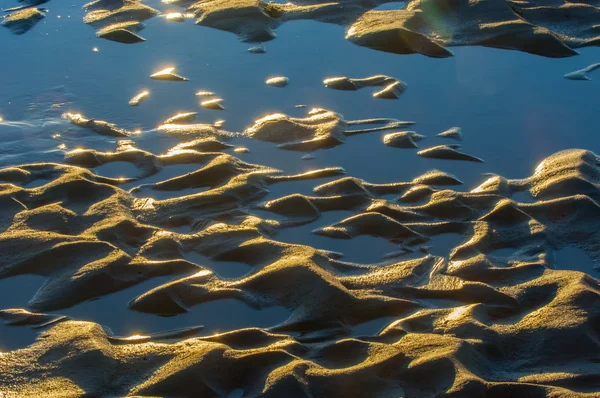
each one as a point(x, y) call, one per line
point(313, 250)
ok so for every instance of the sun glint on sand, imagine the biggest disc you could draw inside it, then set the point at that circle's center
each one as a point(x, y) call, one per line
point(90, 238)
point(493, 313)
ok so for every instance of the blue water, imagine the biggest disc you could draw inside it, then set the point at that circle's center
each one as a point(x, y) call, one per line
point(514, 110)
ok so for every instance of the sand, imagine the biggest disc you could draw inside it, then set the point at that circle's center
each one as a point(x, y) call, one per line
point(392, 88)
point(277, 81)
point(582, 74)
point(129, 11)
point(213, 103)
point(99, 238)
point(552, 29)
point(257, 50)
point(481, 341)
point(453, 133)
point(138, 98)
point(22, 21)
point(168, 74)
point(118, 20)
point(120, 35)
point(320, 129)
point(98, 126)
point(403, 139)
point(182, 117)
point(428, 27)
point(494, 317)
point(449, 152)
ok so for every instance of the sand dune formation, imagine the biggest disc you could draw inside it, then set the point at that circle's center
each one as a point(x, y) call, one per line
point(483, 322)
point(497, 317)
point(553, 28)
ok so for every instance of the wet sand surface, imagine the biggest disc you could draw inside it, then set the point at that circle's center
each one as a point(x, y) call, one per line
point(248, 247)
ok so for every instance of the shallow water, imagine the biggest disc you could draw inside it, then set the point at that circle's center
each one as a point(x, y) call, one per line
point(498, 97)
point(514, 109)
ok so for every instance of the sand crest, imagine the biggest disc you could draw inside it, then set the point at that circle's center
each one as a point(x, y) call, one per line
point(476, 343)
point(22, 21)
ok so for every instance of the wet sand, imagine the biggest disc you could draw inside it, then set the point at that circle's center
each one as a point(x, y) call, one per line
point(326, 251)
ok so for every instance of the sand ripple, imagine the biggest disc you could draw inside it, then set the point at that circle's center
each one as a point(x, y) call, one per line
point(469, 317)
point(428, 27)
point(494, 316)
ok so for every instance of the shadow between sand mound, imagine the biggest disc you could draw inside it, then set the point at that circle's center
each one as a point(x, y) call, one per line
point(473, 315)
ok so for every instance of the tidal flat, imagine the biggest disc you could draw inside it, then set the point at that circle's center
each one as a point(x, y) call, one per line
point(173, 222)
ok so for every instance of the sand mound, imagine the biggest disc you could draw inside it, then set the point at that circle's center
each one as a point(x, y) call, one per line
point(22, 21)
point(481, 313)
point(403, 139)
point(121, 35)
point(214, 104)
point(321, 129)
point(168, 74)
point(493, 314)
point(393, 88)
point(118, 20)
point(183, 117)
point(582, 74)
point(256, 20)
point(277, 81)
point(453, 133)
point(449, 152)
point(428, 26)
point(138, 98)
point(129, 11)
point(473, 318)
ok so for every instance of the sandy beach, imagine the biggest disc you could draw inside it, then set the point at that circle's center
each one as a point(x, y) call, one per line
point(239, 198)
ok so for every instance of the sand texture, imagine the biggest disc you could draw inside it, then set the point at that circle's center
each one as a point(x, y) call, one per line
point(468, 318)
point(549, 28)
point(22, 21)
point(355, 252)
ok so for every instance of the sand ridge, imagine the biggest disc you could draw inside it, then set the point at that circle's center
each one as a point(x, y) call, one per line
point(428, 27)
point(493, 315)
point(20, 22)
point(467, 317)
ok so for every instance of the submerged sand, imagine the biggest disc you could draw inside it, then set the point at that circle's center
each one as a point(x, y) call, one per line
point(496, 316)
point(480, 322)
point(549, 28)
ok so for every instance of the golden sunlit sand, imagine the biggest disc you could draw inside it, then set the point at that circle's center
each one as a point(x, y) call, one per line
point(497, 315)
point(138, 98)
point(495, 304)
